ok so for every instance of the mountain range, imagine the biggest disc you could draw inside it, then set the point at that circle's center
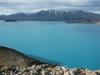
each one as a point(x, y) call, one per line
point(52, 15)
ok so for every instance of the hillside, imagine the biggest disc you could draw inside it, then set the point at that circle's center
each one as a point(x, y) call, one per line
point(10, 57)
point(52, 15)
point(13, 62)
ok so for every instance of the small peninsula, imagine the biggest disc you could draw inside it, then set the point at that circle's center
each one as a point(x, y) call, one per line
point(86, 22)
point(13, 62)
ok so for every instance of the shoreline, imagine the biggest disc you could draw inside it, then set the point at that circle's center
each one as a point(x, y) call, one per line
point(85, 22)
point(46, 69)
point(13, 62)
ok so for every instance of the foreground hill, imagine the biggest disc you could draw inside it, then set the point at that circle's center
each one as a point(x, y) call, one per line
point(53, 15)
point(13, 62)
point(10, 57)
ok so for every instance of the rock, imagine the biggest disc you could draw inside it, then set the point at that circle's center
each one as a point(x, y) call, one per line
point(10, 57)
point(74, 71)
point(64, 69)
point(97, 73)
point(67, 73)
point(33, 67)
point(91, 72)
point(54, 65)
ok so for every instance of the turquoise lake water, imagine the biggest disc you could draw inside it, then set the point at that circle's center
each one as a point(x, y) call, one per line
point(70, 45)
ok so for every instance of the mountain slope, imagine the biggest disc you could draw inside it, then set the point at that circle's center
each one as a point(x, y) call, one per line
point(10, 57)
point(53, 15)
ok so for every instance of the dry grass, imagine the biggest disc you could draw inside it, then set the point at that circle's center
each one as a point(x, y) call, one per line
point(10, 57)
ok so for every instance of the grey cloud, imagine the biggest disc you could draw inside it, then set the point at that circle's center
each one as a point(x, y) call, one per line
point(33, 5)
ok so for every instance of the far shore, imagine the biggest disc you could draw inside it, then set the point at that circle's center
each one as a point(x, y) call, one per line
point(86, 22)
point(97, 22)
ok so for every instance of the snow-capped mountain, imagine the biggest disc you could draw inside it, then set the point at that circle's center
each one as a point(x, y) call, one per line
point(53, 15)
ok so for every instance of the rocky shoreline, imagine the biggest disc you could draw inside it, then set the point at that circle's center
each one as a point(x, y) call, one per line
point(46, 69)
point(19, 64)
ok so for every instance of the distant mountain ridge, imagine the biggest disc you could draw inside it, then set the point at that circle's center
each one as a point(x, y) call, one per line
point(53, 15)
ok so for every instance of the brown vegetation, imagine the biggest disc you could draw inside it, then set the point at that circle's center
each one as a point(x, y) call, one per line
point(10, 57)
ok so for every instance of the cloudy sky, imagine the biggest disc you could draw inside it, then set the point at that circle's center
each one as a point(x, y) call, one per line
point(13, 6)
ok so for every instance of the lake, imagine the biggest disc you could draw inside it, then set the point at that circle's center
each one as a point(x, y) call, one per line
point(70, 45)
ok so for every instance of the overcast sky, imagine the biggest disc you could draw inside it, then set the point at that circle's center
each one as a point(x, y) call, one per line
point(13, 6)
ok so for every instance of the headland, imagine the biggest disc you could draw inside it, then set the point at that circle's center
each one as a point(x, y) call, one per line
point(13, 62)
point(85, 21)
